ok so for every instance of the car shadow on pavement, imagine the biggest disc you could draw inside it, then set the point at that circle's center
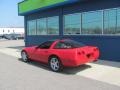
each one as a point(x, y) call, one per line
point(75, 70)
point(36, 64)
point(66, 70)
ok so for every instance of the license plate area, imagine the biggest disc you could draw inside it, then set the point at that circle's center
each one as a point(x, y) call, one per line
point(90, 55)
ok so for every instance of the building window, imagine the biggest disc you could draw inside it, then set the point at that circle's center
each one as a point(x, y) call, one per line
point(42, 26)
point(104, 22)
point(31, 25)
point(110, 21)
point(53, 25)
point(72, 24)
point(48, 26)
point(92, 22)
point(118, 21)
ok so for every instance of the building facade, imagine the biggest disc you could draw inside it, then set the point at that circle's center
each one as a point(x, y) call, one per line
point(93, 22)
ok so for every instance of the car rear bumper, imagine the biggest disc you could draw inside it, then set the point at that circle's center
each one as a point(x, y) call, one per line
point(76, 63)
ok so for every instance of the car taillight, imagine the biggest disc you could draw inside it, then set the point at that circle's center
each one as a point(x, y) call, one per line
point(82, 52)
point(95, 49)
point(79, 53)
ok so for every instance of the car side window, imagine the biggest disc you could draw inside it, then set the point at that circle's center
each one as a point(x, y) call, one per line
point(62, 45)
point(46, 45)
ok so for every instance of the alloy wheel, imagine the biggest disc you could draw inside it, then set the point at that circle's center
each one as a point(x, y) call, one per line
point(55, 64)
point(24, 56)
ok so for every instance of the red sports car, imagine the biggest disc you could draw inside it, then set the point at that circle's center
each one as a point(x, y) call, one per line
point(59, 53)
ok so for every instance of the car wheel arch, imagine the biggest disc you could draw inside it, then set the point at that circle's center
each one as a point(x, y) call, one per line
point(25, 52)
point(53, 55)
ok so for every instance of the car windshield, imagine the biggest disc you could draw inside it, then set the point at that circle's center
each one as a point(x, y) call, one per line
point(69, 44)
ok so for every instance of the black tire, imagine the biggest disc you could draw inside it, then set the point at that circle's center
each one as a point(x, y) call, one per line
point(55, 60)
point(24, 56)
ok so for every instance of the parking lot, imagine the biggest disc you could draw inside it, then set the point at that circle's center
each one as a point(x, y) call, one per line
point(17, 75)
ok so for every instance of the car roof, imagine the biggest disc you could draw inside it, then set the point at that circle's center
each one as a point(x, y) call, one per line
point(61, 40)
point(53, 40)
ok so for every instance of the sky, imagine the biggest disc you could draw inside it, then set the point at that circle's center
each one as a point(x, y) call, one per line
point(9, 14)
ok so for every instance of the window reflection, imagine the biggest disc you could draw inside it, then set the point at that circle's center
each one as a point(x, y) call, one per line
point(118, 21)
point(41, 27)
point(31, 27)
point(53, 25)
point(95, 22)
point(92, 22)
point(72, 24)
point(110, 21)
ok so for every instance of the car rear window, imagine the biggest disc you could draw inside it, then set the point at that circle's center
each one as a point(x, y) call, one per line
point(69, 44)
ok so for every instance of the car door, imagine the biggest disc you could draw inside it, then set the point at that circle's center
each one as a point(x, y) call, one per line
point(42, 51)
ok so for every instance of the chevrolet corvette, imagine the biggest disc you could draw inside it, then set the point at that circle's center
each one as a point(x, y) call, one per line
point(61, 53)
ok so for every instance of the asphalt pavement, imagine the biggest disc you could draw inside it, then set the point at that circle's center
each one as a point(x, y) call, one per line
point(17, 75)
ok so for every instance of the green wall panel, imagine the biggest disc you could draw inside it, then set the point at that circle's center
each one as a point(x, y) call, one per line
point(29, 5)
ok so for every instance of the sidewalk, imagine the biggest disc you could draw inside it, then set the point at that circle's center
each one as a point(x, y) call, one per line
point(102, 72)
point(11, 52)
